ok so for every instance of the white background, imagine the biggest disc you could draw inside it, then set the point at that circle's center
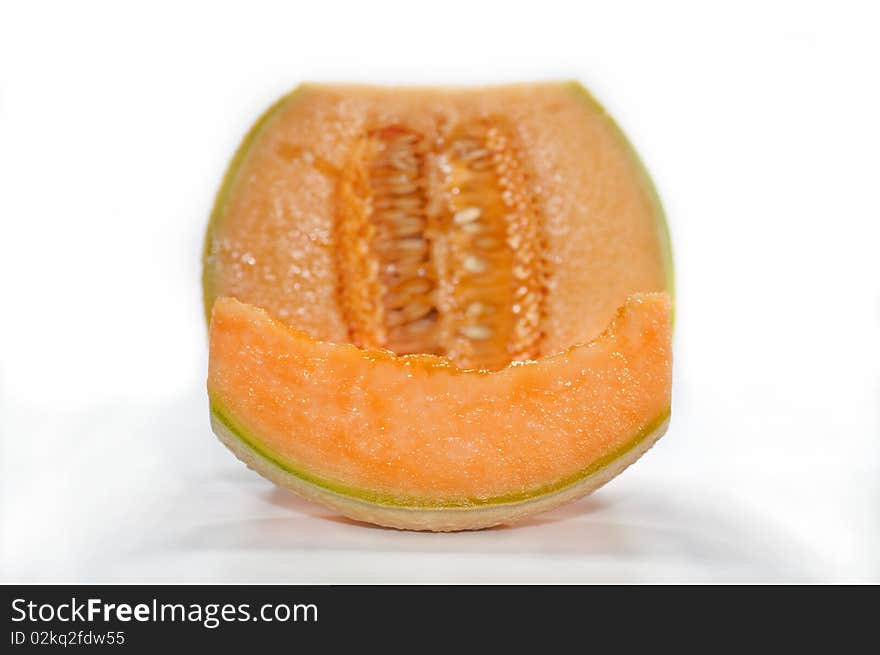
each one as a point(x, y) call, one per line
point(759, 122)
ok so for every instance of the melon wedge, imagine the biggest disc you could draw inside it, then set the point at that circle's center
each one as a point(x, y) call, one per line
point(415, 442)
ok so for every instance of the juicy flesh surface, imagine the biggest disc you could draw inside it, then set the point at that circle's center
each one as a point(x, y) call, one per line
point(419, 429)
point(485, 225)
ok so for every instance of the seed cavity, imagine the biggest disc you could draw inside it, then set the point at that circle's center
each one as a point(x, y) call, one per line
point(494, 248)
point(440, 248)
point(387, 282)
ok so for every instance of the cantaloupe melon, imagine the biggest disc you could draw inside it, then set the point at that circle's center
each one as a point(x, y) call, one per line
point(438, 309)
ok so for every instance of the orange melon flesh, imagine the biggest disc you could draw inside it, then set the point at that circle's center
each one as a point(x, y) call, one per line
point(416, 442)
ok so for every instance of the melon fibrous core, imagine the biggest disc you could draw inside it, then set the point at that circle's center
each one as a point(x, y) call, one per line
point(463, 233)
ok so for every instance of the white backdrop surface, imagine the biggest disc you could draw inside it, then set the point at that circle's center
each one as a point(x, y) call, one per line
point(759, 123)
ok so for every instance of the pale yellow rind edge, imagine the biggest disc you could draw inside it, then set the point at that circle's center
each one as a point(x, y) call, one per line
point(432, 519)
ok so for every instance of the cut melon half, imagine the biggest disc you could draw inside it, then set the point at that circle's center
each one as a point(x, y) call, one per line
point(415, 442)
point(399, 279)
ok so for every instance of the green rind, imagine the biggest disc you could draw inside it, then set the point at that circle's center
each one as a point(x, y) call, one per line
point(415, 502)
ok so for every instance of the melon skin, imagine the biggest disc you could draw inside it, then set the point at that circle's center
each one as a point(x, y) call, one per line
point(274, 393)
point(431, 519)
